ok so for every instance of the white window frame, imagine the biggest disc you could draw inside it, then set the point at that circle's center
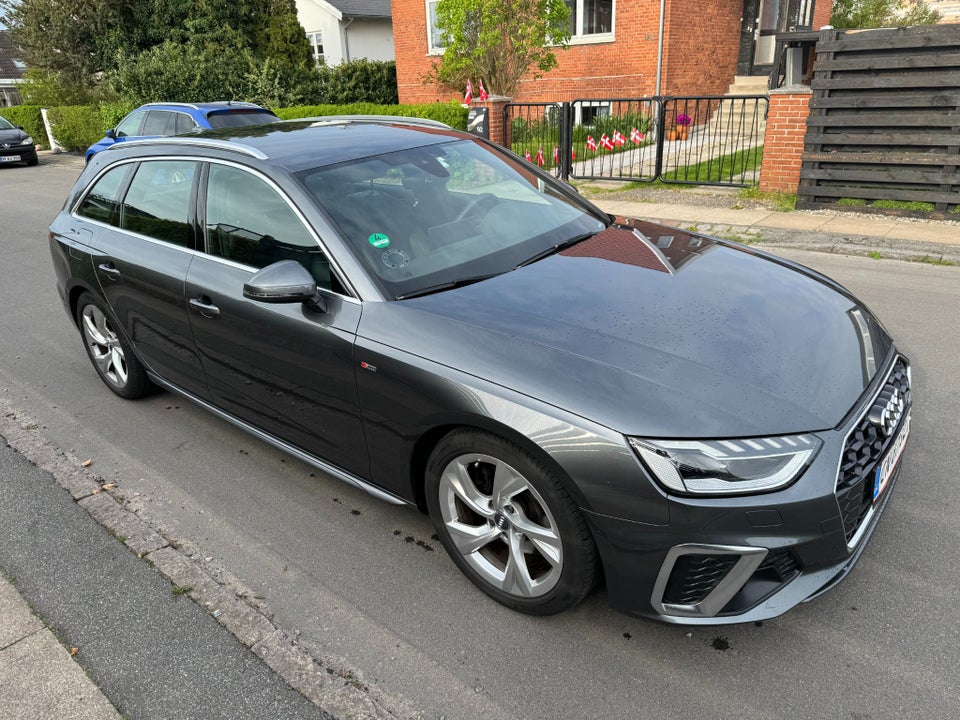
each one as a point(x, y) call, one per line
point(579, 38)
point(431, 48)
point(316, 46)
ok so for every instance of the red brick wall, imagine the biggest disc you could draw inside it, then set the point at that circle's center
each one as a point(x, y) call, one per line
point(783, 142)
point(701, 42)
point(821, 13)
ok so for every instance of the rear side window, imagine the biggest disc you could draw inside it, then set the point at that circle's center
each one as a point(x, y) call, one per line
point(158, 202)
point(240, 118)
point(159, 122)
point(101, 203)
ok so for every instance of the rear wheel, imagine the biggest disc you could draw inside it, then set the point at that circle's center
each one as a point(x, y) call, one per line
point(509, 524)
point(109, 352)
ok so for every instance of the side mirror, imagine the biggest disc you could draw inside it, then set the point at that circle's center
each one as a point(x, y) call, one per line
point(112, 134)
point(286, 281)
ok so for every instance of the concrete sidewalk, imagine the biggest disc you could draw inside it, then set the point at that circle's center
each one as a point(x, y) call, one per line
point(720, 212)
point(38, 678)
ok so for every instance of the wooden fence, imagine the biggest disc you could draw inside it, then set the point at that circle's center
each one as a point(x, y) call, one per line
point(883, 133)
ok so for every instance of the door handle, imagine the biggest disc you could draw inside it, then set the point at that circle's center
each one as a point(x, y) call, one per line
point(110, 270)
point(204, 306)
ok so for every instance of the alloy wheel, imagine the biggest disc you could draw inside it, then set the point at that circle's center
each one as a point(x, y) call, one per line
point(104, 346)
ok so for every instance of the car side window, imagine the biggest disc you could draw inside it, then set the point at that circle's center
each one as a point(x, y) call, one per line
point(130, 125)
point(183, 124)
point(101, 203)
point(250, 223)
point(159, 122)
point(158, 202)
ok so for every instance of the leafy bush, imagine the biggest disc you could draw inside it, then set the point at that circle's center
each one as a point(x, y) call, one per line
point(359, 81)
point(29, 118)
point(77, 127)
point(453, 114)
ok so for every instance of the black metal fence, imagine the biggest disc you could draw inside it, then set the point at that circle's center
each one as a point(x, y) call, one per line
point(715, 140)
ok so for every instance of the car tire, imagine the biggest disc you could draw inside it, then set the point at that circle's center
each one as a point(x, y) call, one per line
point(31, 163)
point(109, 351)
point(509, 524)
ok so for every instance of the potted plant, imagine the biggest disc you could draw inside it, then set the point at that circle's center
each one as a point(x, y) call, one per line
point(683, 126)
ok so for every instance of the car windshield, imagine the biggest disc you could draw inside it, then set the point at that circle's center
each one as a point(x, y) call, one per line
point(434, 217)
point(240, 118)
point(5, 124)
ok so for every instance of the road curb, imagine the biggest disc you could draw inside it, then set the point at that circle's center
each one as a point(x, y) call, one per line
point(336, 688)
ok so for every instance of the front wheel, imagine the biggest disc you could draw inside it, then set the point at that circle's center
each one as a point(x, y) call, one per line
point(509, 524)
point(112, 357)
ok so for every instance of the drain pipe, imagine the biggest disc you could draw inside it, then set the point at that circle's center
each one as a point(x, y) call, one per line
point(346, 41)
point(663, 4)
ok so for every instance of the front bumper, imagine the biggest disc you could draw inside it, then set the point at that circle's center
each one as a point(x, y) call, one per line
point(18, 154)
point(743, 559)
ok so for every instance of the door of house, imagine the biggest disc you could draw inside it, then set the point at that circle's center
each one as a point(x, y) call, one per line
point(768, 24)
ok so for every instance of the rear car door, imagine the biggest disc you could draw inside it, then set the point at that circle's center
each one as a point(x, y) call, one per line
point(284, 368)
point(143, 246)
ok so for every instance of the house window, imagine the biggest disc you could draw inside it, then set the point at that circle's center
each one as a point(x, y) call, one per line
point(590, 17)
point(316, 43)
point(434, 38)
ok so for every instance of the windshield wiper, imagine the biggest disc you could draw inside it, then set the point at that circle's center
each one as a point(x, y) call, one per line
point(449, 285)
point(557, 248)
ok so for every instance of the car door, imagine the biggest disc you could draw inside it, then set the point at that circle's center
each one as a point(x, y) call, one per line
point(286, 368)
point(143, 247)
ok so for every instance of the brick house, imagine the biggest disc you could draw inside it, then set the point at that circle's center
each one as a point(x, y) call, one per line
point(616, 44)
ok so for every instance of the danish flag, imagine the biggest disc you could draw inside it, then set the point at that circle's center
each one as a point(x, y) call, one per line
point(468, 95)
point(591, 143)
point(540, 156)
point(556, 155)
point(483, 93)
point(605, 142)
point(636, 136)
point(529, 159)
point(618, 138)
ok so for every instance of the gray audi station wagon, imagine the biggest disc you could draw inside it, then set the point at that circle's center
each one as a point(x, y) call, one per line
point(712, 430)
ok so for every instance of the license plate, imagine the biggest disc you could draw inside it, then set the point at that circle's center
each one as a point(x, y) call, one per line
point(889, 464)
point(10, 158)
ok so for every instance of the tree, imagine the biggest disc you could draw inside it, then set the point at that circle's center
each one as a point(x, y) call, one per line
point(499, 41)
point(850, 14)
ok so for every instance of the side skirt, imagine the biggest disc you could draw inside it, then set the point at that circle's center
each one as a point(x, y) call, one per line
point(286, 447)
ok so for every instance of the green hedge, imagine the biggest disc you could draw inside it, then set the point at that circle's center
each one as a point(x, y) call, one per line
point(453, 114)
point(29, 118)
point(77, 127)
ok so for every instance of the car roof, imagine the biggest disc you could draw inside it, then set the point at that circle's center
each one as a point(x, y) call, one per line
point(207, 107)
point(302, 144)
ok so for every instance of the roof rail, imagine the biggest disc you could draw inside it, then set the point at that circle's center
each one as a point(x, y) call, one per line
point(174, 104)
point(199, 142)
point(403, 119)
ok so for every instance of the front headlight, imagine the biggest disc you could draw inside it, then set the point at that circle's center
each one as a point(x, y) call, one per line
point(726, 467)
point(27, 141)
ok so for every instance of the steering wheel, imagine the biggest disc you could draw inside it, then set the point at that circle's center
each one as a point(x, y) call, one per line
point(484, 202)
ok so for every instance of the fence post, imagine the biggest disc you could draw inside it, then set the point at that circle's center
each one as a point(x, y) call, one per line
point(566, 141)
point(784, 138)
point(496, 113)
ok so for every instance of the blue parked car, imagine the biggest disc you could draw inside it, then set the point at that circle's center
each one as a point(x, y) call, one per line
point(162, 119)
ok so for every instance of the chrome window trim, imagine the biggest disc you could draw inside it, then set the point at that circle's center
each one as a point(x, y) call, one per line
point(335, 266)
point(867, 519)
point(736, 577)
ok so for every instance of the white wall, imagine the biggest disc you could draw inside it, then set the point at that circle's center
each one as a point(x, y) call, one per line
point(370, 38)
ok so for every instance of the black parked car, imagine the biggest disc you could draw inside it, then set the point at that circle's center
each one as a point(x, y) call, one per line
point(430, 318)
point(16, 146)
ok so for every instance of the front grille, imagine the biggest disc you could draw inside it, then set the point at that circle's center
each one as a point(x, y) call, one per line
point(866, 445)
point(695, 576)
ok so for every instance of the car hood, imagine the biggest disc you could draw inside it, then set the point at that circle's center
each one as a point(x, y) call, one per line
point(12, 136)
point(655, 332)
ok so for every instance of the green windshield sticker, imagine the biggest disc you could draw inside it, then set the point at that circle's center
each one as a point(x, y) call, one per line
point(379, 240)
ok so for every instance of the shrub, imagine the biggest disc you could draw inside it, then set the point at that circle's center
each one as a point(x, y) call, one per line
point(77, 127)
point(453, 114)
point(29, 118)
point(359, 81)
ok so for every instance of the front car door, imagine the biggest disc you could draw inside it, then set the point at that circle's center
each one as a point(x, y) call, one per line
point(285, 369)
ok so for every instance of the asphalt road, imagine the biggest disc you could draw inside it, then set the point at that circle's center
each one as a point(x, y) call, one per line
point(361, 579)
